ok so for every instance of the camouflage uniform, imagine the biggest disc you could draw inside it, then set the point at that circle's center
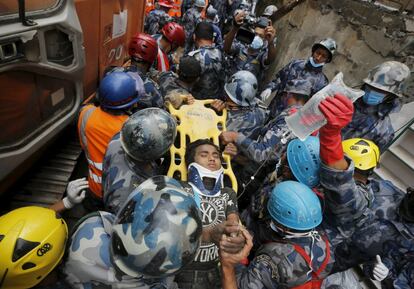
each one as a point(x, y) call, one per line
point(122, 174)
point(190, 19)
point(88, 263)
point(210, 84)
point(278, 265)
point(263, 152)
point(359, 217)
point(169, 82)
point(152, 97)
point(221, 6)
point(372, 122)
point(398, 257)
point(155, 20)
point(296, 69)
point(241, 59)
point(268, 146)
point(246, 120)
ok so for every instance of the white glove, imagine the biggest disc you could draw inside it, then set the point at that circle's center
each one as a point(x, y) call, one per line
point(75, 193)
point(265, 94)
point(380, 271)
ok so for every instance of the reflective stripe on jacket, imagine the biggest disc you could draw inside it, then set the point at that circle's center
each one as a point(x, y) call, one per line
point(96, 128)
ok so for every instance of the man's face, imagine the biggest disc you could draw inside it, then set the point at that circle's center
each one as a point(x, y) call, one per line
point(260, 32)
point(321, 55)
point(207, 156)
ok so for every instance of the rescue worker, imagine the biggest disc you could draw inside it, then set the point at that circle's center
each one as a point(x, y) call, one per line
point(218, 204)
point(299, 163)
point(32, 245)
point(244, 114)
point(132, 155)
point(383, 90)
point(210, 84)
point(396, 269)
point(157, 18)
point(296, 254)
point(261, 153)
point(127, 250)
point(189, 71)
point(309, 69)
point(143, 50)
point(213, 18)
point(358, 220)
point(254, 57)
point(118, 92)
point(171, 38)
point(192, 17)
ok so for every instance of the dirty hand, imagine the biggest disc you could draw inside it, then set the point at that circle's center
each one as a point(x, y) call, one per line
point(265, 94)
point(380, 271)
point(231, 259)
point(75, 192)
point(218, 105)
point(188, 99)
point(270, 33)
point(230, 149)
point(227, 137)
point(338, 111)
point(234, 241)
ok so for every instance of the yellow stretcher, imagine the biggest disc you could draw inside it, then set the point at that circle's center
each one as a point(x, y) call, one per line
point(197, 121)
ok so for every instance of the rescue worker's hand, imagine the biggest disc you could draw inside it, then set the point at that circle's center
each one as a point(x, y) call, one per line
point(231, 259)
point(265, 94)
point(338, 111)
point(188, 99)
point(227, 137)
point(239, 18)
point(218, 105)
point(234, 240)
point(380, 271)
point(75, 192)
point(230, 149)
point(270, 33)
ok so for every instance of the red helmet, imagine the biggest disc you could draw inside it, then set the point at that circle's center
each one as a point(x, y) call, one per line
point(143, 46)
point(174, 32)
point(166, 3)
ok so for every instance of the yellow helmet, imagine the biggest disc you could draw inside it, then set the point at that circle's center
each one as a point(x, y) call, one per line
point(364, 153)
point(32, 242)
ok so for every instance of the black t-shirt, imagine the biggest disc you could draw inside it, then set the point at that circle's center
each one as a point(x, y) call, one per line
point(214, 210)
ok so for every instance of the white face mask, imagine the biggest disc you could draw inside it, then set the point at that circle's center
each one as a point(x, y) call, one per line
point(257, 43)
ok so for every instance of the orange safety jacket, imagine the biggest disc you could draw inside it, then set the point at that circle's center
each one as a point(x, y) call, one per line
point(149, 6)
point(96, 129)
point(175, 11)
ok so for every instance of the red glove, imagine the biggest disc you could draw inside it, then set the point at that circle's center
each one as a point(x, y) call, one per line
point(338, 111)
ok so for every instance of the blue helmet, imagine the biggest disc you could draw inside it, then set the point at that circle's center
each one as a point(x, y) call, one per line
point(304, 161)
point(119, 90)
point(157, 231)
point(294, 206)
